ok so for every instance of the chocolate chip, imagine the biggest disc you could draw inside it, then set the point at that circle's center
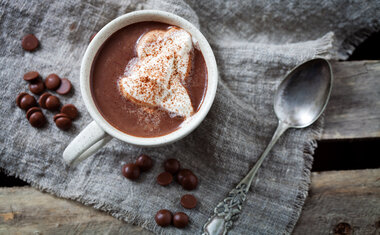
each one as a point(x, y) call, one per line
point(92, 36)
point(70, 110)
point(377, 224)
point(63, 123)
point(27, 101)
point(60, 115)
point(180, 220)
point(37, 119)
point(29, 42)
point(182, 173)
point(65, 87)
point(37, 86)
point(19, 97)
point(172, 166)
point(188, 201)
point(165, 178)
point(30, 76)
point(31, 111)
point(42, 99)
point(131, 171)
point(163, 218)
point(189, 182)
point(52, 102)
point(144, 162)
point(343, 228)
point(52, 81)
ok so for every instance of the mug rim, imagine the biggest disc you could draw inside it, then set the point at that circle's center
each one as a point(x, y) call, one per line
point(120, 22)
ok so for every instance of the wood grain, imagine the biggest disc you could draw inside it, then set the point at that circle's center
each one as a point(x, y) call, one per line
point(351, 197)
point(354, 107)
point(25, 210)
point(342, 197)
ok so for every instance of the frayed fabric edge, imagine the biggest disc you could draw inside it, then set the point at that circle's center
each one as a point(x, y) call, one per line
point(304, 184)
point(351, 42)
point(324, 45)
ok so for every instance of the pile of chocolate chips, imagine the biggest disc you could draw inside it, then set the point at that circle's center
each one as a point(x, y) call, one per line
point(132, 170)
point(37, 86)
point(185, 177)
point(47, 101)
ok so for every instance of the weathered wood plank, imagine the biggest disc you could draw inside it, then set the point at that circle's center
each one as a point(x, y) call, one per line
point(342, 200)
point(351, 197)
point(354, 107)
point(25, 210)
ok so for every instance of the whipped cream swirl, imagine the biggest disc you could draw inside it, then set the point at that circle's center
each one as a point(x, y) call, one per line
point(156, 77)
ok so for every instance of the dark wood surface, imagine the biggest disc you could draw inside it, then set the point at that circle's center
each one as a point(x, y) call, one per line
point(348, 154)
point(25, 210)
point(354, 107)
point(340, 200)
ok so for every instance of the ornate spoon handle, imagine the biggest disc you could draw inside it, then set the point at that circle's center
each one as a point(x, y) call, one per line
point(228, 210)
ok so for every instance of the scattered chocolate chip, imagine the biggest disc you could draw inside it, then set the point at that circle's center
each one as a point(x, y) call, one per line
point(188, 201)
point(342, 229)
point(70, 110)
point(131, 171)
point(165, 178)
point(37, 119)
point(29, 42)
point(31, 111)
point(30, 76)
point(52, 102)
point(180, 220)
point(42, 99)
point(65, 87)
point(144, 162)
point(52, 81)
point(163, 218)
point(27, 101)
point(189, 182)
point(377, 224)
point(92, 36)
point(19, 97)
point(60, 115)
point(63, 123)
point(37, 86)
point(182, 173)
point(172, 166)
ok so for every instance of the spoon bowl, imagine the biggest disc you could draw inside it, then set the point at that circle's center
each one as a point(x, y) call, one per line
point(302, 96)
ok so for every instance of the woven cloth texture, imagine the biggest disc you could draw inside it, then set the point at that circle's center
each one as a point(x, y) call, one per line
point(255, 44)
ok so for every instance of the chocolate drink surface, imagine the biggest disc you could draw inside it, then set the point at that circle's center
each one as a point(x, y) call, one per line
point(127, 69)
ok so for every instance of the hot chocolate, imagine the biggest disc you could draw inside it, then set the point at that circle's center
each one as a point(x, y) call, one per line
point(147, 78)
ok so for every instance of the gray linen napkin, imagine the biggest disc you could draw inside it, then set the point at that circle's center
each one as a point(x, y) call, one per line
point(255, 44)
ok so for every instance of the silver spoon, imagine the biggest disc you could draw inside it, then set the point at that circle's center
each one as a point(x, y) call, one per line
point(299, 101)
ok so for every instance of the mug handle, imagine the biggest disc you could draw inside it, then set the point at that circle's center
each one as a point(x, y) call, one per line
point(90, 140)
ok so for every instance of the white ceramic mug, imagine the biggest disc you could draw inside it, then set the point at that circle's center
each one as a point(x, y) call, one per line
point(99, 131)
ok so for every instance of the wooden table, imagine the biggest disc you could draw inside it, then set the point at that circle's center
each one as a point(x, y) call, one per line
point(339, 202)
